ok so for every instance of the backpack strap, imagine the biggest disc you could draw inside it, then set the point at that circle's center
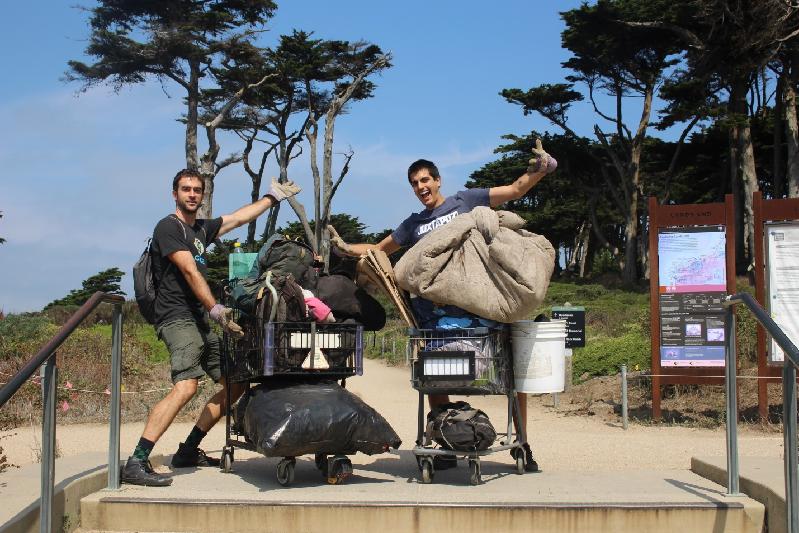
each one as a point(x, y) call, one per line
point(181, 224)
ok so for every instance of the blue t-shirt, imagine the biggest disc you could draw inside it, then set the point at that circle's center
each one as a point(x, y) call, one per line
point(420, 224)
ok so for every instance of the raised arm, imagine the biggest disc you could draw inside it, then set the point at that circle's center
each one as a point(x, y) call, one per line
point(541, 164)
point(248, 213)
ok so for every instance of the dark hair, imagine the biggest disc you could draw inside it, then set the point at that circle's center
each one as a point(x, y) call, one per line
point(186, 173)
point(422, 164)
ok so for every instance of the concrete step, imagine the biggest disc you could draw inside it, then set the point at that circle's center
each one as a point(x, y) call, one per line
point(386, 495)
point(761, 478)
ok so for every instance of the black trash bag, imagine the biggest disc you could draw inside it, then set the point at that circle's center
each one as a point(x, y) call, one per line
point(459, 427)
point(295, 420)
point(347, 300)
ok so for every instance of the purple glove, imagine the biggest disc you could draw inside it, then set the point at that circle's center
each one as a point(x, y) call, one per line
point(541, 161)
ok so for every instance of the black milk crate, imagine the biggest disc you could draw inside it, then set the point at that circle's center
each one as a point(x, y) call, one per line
point(297, 348)
point(461, 361)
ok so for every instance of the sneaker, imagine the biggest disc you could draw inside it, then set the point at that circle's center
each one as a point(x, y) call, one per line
point(444, 462)
point(188, 457)
point(140, 472)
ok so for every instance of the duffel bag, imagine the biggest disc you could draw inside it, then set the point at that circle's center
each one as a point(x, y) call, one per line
point(459, 427)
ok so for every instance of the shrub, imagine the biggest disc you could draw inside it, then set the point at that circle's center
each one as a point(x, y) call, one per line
point(604, 355)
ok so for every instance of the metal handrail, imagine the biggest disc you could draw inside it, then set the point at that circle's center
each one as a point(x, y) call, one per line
point(44, 361)
point(788, 405)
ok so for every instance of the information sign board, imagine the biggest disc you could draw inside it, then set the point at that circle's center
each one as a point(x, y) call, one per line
point(575, 324)
point(692, 274)
point(782, 282)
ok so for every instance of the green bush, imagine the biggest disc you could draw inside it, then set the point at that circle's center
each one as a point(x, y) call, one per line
point(143, 333)
point(23, 335)
point(604, 355)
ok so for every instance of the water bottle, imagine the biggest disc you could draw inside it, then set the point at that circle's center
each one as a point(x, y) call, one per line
point(237, 263)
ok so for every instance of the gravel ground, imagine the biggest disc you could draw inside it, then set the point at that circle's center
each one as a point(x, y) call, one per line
point(561, 441)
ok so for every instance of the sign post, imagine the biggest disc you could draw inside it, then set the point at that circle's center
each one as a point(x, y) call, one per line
point(575, 324)
point(776, 283)
point(692, 254)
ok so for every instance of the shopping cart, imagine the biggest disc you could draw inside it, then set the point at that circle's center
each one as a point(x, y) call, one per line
point(473, 361)
point(289, 351)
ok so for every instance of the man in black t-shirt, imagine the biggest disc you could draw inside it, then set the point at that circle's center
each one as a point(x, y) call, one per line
point(183, 305)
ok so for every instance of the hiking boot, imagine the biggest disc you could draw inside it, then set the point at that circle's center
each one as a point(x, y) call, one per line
point(529, 463)
point(188, 457)
point(140, 472)
point(444, 462)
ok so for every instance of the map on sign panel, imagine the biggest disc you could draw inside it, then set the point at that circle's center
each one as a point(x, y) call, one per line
point(692, 260)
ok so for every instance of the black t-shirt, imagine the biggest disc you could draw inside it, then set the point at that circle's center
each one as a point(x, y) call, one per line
point(175, 299)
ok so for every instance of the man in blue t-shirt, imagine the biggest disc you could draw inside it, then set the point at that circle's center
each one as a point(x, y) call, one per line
point(439, 210)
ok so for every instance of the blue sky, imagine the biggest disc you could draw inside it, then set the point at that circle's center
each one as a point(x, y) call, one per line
point(84, 177)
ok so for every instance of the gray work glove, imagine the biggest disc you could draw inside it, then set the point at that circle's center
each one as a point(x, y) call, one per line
point(337, 242)
point(541, 161)
point(281, 191)
point(221, 315)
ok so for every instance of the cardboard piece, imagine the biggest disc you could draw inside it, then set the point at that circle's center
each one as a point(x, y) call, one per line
point(374, 268)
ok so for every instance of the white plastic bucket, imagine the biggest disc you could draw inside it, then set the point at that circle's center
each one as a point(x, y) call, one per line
point(539, 356)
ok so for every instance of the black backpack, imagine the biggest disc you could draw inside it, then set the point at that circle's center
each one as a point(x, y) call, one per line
point(283, 256)
point(145, 286)
point(457, 426)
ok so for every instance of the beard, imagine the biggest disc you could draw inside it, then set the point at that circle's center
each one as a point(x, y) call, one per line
point(183, 206)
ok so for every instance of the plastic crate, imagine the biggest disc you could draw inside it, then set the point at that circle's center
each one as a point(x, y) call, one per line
point(461, 361)
point(297, 348)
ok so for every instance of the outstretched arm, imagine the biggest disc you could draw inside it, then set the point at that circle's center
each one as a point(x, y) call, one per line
point(541, 164)
point(248, 213)
point(388, 245)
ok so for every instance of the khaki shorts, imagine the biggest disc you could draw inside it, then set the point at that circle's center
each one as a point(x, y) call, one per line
point(193, 352)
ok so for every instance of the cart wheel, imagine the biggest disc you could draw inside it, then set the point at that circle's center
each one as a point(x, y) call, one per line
point(339, 468)
point(474, 472)
point(227, 460)
point(285, 472)
point(426, 467)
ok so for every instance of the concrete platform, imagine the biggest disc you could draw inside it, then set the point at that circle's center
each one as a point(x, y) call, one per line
point(385, 494)
point(761, 478)
point(75, 477)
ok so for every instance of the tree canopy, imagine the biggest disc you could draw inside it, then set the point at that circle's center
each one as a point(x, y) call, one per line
point(105, 281)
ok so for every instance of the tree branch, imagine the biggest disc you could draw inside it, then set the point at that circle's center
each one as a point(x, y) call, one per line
point(688, 36)
point(344, 170)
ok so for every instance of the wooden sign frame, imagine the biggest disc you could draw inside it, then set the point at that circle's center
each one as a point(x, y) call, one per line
point(676, 216)
point(765, 211)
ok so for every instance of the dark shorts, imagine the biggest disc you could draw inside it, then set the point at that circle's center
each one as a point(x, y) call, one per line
point(193, 351)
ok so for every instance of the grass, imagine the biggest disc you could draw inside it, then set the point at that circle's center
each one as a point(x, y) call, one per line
point(84, 366)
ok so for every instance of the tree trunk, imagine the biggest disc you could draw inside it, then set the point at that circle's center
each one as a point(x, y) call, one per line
point(745, 169)
point(584, 244)
point(777, 171)
point(192, 103)
point(791, 128)
point(630, 271)
point(643, 247)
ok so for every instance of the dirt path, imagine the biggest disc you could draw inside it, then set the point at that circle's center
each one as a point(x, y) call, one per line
point(560, 441)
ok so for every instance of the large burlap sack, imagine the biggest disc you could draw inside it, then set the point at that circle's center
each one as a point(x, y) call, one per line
point(483, 262)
